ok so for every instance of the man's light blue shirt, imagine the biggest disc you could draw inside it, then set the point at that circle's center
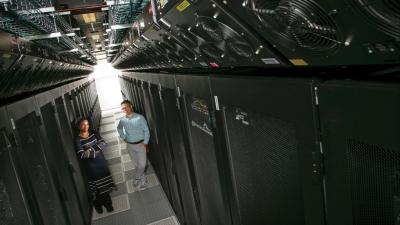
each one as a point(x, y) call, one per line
point(133, 129)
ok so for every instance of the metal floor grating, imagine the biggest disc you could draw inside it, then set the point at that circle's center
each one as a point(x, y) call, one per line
point(167, 221)
point(116, 168)
point(111, 135)
point(110, 148)
point(120, 204)
point(129, 166)
point(112, 154)
point(107, 123)
point(152, 181)
point(108, 120)
point(126, 158)
point(119, 177)
point(124, 151)
point(112, 144)
point(108, 127)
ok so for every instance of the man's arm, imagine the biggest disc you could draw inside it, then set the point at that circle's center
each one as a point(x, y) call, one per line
point(146, 131)
point(120, 129)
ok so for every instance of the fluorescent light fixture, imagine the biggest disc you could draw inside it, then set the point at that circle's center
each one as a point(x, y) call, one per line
point(89, 17)
point(95, 37)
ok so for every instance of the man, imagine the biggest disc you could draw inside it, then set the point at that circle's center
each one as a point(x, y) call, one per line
point(134, 131)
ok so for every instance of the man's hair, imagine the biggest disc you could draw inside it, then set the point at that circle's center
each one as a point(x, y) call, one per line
point(126, 102)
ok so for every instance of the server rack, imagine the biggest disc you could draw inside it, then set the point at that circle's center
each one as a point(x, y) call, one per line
point(180, 149)
point(271, 144)
point(195, 101)
point(42, 168)
point(13, 185)
point(360, 130)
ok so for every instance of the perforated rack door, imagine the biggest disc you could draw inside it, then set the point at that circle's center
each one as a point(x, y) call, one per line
point(360, 133)
point(14, 206)
point(31, 151)
point(269, 135)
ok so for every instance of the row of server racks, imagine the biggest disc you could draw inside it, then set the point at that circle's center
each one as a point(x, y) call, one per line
point(248, 150)
point(40, 177)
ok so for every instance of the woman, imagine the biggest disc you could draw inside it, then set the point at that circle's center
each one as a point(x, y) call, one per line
point(89, 149)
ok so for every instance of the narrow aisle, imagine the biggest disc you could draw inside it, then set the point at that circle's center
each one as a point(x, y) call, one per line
point(132, 206)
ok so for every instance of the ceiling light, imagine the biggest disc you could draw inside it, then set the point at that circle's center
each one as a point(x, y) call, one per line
point(89, 17)
point(95, 37)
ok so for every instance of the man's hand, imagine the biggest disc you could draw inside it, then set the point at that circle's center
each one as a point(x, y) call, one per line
point(146, 146)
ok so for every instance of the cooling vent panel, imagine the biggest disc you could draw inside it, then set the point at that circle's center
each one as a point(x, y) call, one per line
point(302, 23)
point(226, 37)
point(239, 48)
point(384, 14)
point(211, 51)
point(188, 37)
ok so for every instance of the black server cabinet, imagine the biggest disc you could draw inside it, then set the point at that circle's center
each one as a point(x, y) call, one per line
point(15, 202)
point(80, 101)
point(159, 141)
point(195, 101)
point(75, 102)
point(71, 112)
point(270, 143)
point(57, 160)
point(175, 130)
point(85, 100)
point(166, 148)
point(155, 154)
point(31, 150)
point(360, 126)
point(137, 93)
point(129, 89)
point(74, 166)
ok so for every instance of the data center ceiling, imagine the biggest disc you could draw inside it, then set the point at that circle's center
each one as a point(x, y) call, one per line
point(85, 29)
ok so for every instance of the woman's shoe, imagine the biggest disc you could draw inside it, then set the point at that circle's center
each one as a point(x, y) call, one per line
point(109, 208)
point(99, 210)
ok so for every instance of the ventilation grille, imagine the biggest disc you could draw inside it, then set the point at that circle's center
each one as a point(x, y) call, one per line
point(374, 174)
point(301, 22)
point(188, 37)
point(6, 212)
point(229, 40)
point(265, 167)
point(384, 14)
point(211, 51)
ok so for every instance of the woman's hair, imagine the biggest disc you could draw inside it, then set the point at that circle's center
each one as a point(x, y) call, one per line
point(80, 121)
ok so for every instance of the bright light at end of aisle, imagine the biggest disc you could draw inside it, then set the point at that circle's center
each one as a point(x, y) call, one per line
point(103, 69)
point(107, 85)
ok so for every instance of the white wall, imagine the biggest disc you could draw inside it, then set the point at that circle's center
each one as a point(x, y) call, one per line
point(107, 85)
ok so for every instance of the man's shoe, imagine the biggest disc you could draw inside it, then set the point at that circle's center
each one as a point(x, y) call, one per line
point(136, 183)
point(109, 208)
point(143, 184)
point(99, 210)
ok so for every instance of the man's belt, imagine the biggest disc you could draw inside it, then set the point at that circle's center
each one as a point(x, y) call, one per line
point(137, 142)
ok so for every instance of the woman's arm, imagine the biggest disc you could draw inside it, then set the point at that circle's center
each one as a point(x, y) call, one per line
point(100, 141)
point(83, 153)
